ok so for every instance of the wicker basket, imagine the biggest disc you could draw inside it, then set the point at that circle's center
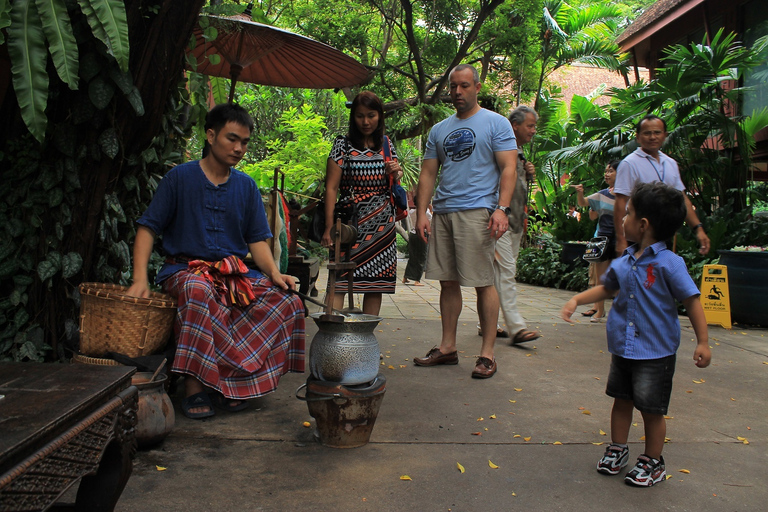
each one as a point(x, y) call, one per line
point(111, 321)
point(81, 359)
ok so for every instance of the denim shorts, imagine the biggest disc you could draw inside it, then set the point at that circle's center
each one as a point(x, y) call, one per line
point(647, 382)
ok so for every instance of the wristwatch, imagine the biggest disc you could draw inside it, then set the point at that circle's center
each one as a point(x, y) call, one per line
point(506, 209)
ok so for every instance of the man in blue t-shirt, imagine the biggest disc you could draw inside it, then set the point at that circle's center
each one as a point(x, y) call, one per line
point(476, 155)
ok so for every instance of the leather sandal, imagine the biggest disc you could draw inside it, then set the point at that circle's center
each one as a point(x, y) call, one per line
point(524, 336)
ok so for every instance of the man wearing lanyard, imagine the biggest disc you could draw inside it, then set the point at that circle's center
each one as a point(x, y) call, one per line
point(648, 164)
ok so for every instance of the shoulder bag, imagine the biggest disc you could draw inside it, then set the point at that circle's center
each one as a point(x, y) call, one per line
point(397, 193)
point(595, 250)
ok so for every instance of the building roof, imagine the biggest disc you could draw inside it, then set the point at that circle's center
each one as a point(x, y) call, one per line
point(652, 14)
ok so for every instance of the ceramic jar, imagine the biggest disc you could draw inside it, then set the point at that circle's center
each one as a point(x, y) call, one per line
point(156, 417)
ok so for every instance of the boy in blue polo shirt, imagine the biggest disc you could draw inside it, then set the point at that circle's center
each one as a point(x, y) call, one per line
point(643, 329)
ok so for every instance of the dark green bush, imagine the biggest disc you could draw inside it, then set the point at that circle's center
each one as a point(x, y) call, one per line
point(540, 265)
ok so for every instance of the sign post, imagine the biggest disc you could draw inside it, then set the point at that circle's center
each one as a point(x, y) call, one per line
point(714, 295)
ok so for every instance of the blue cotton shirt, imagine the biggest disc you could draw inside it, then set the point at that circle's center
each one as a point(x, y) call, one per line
point(469, 176)
point(643, 321)
point(640, 167)
point(200, 220)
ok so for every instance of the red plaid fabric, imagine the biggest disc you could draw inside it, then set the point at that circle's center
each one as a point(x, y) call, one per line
point(240, 352)
point(228, 279)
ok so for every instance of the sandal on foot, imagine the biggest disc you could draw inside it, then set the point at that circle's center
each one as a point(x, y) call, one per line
point(228, 404)
point(596, 319)
point(418, 283)
point(589, 312)
point(524, 336)
point(195, 401)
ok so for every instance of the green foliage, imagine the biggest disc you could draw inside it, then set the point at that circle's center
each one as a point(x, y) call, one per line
point(35, 22)
point(301, 156)
point(540, 265)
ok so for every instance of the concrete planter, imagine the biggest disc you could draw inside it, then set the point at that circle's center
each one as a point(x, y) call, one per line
point(747, 283)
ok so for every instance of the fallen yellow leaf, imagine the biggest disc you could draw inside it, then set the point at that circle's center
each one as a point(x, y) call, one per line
point(642, 438)
point(161, 468)
point(461, 468)
point(513, 494)
point(480, 419)
point(391, 367)
point(743, 440)
point(668, 477)
point(669, 417)
point(307, 424)
point(405, 477)
point(702, 381)
point(602, 433)
point(517, 435)
point(687, 472)
point(588, 413)
point(518, 389)
point(598, 444)
point(557, 443)
point(492, 465)
point(492, 416)
point(527, 438)
point(513, 401)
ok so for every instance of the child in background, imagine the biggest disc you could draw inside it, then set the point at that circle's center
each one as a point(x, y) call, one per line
point(643, 329)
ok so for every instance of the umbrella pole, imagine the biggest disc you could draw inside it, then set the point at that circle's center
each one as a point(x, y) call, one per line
point(234, 73)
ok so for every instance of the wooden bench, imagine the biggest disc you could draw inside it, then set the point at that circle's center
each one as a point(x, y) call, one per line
point(64, 423)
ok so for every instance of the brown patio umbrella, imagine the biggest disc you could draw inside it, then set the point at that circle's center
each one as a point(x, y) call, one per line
point(262, 54)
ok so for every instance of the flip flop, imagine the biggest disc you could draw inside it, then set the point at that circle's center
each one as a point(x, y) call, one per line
point(194, 401)
point(524, 336)
point(589, 312)
point(596, 319)
point(228, 404)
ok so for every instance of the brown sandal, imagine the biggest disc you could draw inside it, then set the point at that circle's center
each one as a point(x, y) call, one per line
point(524, 336)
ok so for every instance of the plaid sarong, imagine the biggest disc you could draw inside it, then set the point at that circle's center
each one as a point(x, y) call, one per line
point(240, 352)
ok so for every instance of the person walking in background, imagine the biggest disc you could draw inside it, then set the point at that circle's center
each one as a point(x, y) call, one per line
point(523, 120)
point(417, 249)
point(237, 331)
point(647, 164)
point(475, 152)
point(359, 170)
point(601, 208)
point(643, 328)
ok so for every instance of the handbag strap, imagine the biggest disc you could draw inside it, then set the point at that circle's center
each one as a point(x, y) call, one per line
point(345, 167)
point(387, 158)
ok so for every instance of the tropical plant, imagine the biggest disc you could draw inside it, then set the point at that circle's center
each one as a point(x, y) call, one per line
point(584, 34)
point(33, 23)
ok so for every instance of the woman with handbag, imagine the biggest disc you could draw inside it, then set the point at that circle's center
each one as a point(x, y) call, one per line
point(359, 169)
point(601, 208)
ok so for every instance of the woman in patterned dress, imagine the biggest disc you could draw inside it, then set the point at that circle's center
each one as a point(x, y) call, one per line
point(357, 169)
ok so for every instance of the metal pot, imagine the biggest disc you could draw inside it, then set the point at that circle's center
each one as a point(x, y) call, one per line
point(345, 352)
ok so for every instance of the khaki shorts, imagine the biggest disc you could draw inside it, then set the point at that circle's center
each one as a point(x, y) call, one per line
point(461, 248)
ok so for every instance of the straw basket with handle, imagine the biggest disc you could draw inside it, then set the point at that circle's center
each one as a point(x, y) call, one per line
point(111, 321)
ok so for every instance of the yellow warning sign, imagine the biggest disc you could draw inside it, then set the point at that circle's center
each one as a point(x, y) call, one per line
point(714, 295)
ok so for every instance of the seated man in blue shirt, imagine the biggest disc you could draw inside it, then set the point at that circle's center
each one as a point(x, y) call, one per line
point(643, 328)
point(237, 331)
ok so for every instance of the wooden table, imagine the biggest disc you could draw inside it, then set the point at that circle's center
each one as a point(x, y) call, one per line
point(60, 423)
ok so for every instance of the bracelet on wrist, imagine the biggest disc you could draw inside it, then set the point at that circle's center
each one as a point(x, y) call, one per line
point(696, 227)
